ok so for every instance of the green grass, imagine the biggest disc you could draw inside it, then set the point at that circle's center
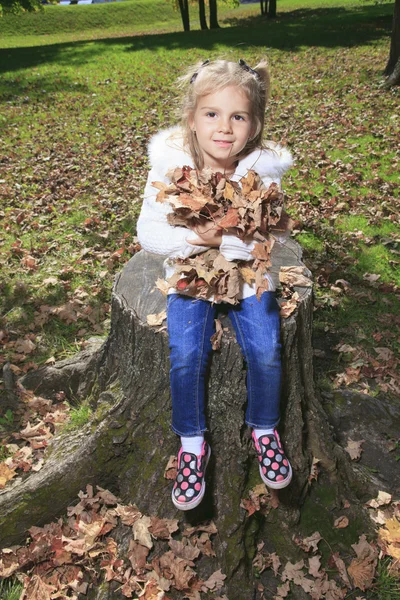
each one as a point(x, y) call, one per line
point(386, 586)
point(78, 416)
point(10, 589)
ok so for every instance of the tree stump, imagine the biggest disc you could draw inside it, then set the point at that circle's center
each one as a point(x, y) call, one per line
point(127, 444)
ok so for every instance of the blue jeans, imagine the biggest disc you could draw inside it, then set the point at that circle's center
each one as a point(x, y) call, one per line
point(190, 327)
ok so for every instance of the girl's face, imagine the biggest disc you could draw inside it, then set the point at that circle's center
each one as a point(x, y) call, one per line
point(222, 122)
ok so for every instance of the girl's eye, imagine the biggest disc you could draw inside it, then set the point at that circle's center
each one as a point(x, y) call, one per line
point(238, 118)
point(210, 114)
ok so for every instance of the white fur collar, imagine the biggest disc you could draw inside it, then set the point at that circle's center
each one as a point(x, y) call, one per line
point(166, 152)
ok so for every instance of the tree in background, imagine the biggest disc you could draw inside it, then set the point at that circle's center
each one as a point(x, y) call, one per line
point(184, 9)
point(392, 70)
point(202, 14)
point(213, 14)
point(268, 8)
point(19, 6)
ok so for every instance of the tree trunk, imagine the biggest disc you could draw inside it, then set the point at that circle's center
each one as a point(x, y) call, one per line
point(213, 14)
point(392, 70)
point(202, 15)
point(272, 9)
point(128, 442)
point(184, 8)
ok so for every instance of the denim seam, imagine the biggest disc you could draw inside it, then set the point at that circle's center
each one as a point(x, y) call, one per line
point(249, 371)
point(199, 362)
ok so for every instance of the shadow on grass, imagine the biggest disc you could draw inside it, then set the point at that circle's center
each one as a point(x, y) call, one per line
point(329, 28)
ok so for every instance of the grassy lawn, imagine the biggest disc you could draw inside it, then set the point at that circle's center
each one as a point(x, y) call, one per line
point(82, 88)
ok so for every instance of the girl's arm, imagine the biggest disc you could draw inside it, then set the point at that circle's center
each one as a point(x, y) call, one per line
point(154, 232)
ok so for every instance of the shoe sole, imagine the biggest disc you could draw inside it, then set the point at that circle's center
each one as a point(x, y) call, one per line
point(279, 485)
point(196, 502)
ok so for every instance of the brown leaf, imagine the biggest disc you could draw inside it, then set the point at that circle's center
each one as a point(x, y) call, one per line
point(295, 276)
point(156, 319)
point(230, 219)
point(341, 522)
point(151, 591)
point(216, 338)
point(5, 474)
point(341, 567)
point(171, 469)
point(314, 565)
point(137, 554)
point(282, 591)
point(362, 568)
point(354, 448)
point(184, 550)
point(141, 531)
point(128, 514)
point(214, 582)
point(207, 527)
point(309, 543)
point(163, 528)
point(382, 499)
point(36, 589)
point(314, 472)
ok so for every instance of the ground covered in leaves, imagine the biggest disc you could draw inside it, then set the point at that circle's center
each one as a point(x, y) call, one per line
point(75, 119)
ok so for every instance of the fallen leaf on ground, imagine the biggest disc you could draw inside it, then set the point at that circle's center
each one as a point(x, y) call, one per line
point(141, 531)
point(362, 569)
point(354, 449)
point(5, 474)
point(341, 522)
point(382, 499)
point(171, 469)
point(156, 319)
point(214, 582)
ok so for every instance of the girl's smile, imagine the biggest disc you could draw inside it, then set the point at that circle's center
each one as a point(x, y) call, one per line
point(223, 125)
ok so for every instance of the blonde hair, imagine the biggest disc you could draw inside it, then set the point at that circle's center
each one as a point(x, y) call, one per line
point(206, 78)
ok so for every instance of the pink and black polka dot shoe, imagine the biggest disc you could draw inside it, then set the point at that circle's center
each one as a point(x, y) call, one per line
point(275, 469)
point(189, 486)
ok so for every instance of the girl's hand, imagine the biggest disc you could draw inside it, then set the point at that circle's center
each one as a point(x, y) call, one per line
point(208, 234)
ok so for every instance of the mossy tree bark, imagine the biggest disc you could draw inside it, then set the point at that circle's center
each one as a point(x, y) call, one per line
point(392, 70)
point(127, 444)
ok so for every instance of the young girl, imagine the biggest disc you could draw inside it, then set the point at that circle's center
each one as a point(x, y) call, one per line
point(221, 128)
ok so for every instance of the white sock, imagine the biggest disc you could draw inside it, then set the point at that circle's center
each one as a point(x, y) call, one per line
point(260, 432)
point(193, 445)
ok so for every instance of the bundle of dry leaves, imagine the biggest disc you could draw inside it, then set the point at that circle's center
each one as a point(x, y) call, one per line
point(248, 209)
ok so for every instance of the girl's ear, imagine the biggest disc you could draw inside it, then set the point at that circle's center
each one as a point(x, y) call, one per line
point(191, 122)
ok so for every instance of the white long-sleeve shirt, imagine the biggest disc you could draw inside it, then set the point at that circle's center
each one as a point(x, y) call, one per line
point(156, 235)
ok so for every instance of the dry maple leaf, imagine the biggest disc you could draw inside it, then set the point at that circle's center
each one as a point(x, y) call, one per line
point(163, 528)
point(214, 582)
point(309, 544)
point(295, 276)
point(362, 569)
point(141, 531)
point(314, 471)
point(171, 469)
point(156, 319)
point(184, 550)
point(216, 338)
point(250, 209)
point(354, 449)
point(314, 565)
point(389, 538)
point(5, 474)
point(282, 591)
point(382, 499)
point(36, 589)
point(341, 522)
point(341, 567)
